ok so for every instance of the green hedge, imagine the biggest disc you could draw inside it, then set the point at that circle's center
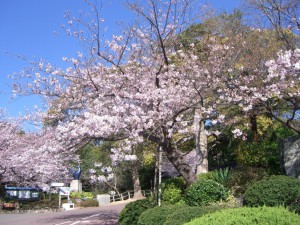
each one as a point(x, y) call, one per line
point(185, 214)
point(157, 215)
point(130, 214)
point(274, 191)
point(249, 216)
point(204, 192)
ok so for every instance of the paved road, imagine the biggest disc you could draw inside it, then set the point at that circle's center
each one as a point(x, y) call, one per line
point(105, 215)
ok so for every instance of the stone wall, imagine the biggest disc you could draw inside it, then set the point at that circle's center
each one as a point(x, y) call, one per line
point(290, 156)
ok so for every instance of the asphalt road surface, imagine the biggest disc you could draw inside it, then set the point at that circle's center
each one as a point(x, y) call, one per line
point(104, 215)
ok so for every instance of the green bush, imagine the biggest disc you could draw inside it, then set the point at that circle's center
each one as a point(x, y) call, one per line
point(242, 177)
point(185, 214)
point(295, 205)
point(82, 194)
point(130, 214)
point(274, 191)
point(89, 203)
point(157, 215)
point(204, 192)
point(172, 190)
point(221, 176)
point(249, 216)
point(205, 176)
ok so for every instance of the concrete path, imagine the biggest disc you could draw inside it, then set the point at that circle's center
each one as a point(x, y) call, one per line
point(105, 215)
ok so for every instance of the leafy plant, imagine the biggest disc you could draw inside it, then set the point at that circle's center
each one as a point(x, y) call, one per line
point(204, 192)
point(274, 191)
point(249, 216)
point(221, 176)
point(130, 214)
point(172, 190)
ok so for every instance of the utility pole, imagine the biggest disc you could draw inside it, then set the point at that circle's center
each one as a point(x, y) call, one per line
point(159, 175)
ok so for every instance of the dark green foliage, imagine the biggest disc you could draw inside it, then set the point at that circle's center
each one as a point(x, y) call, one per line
point(274, 191)
point(146, 174)
point(157, 215)
point(172, 190)
point(227, 151)
point(295, 205)
point(249, 216)
point(221, 152)
point(185, 214)
point(242, 176)
point(130, 214)
point(39, 205)
point(204, 192)
point(89, 203)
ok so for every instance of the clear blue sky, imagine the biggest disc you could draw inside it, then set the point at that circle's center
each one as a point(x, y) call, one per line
point(33, 28)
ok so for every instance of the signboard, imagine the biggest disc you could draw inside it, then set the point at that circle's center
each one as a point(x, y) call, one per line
point(55, 184)
point(64, 190)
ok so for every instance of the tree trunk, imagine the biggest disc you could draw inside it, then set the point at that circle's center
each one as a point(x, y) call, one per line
point(178, 160)
point(136, 181)
point(201, 143)
point(176, 157)
point(254, 128)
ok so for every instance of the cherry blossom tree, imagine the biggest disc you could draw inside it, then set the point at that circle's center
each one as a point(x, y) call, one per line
point(277, 92)
point(138, 86)
point(32, 159)
point(144, 84)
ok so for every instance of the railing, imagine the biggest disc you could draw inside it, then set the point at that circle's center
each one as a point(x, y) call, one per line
point(127, 195)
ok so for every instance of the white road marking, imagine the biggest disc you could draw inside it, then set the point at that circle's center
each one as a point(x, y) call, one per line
point(90, 216)
point(62, 223)
point(86, 221)
point(75, 222)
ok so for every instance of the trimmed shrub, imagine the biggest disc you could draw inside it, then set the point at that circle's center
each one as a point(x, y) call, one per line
point(157, 215)
point(204, 192)
point(274, 191)
point(89, 203)
point(130, 214)
point(185, 214)
point(172, 190)
point(249, 216)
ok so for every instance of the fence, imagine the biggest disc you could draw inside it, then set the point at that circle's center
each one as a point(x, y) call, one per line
point(127, 195)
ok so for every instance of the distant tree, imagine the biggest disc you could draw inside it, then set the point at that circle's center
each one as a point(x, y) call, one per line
point(32, 159)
